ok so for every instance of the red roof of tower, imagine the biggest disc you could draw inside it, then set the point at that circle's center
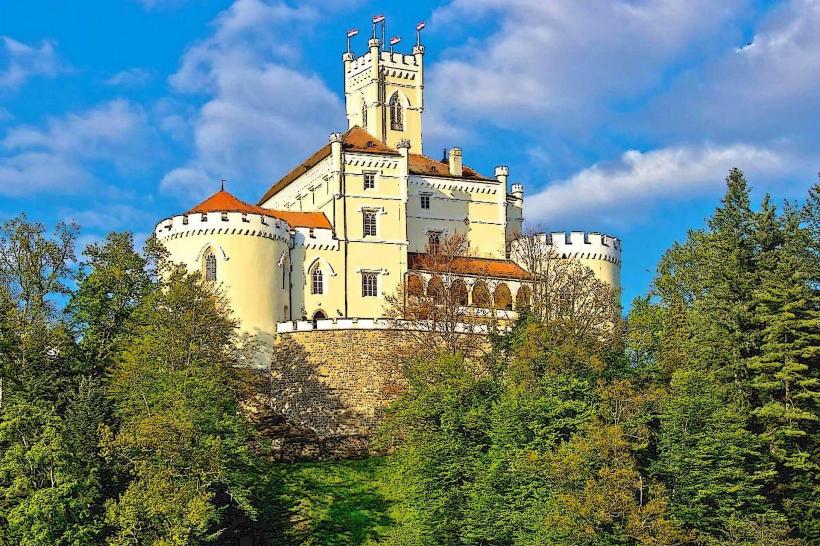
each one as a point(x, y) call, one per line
point(223, 201)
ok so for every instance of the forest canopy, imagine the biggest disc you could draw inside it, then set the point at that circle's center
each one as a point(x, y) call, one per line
point(694, 420)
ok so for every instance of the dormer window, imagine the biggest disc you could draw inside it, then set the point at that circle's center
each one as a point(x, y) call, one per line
point(396, 114)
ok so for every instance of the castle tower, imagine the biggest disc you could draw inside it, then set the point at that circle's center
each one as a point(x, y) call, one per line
point(384, 94)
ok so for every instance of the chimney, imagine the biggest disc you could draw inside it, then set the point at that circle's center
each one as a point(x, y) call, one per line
point(456, 166)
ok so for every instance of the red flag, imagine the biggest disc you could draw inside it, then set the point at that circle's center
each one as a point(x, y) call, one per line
point(378, 19)
point(394, 40)
point(421, 25)
point(352, 32)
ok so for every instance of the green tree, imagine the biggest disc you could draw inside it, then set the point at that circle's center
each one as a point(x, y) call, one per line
point(181, 438)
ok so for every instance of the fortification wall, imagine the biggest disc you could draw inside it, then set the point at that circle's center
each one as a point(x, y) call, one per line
point(329, 389)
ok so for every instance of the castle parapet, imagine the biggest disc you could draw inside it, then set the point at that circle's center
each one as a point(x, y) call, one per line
point(585, 245)
point(227, 223)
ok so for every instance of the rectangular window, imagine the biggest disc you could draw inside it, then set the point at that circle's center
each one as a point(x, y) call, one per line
point(369, 181)
point(369, 220)
point(369, 285)
point(425, 200)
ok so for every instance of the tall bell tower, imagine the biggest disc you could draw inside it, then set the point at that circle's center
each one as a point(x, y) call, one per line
point(384, 93)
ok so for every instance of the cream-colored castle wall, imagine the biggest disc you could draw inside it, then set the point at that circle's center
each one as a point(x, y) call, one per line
point(458, 206)
point(248, 249)
point(372, 79)
point(312, 191)
point(386, 253)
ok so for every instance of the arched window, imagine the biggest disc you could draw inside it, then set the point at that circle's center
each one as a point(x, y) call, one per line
point(210, 265)
point(503, 297)
point(459, 291)
point(396, 114)
point(317, 282)
point(522, 297)
point(481, 295)
point(433, 242)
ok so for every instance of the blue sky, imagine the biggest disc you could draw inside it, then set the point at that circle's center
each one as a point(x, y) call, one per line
point(621, 116)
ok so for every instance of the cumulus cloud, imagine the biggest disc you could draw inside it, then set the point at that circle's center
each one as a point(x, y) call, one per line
point(264, 108)
point(620, 192)
point(567, 60)
point(58, 156)
point(20, 62)
point(766, 90)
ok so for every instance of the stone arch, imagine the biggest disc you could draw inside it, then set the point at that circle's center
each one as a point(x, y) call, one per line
point(503, 297)
point(458, 288)
point(415, 285)
point(216, 248)
point(481, 295)
point(324, 264)
point(523, 297)
point(435, 287)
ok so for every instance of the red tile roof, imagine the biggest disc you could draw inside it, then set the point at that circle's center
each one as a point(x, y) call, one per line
point(357, 139)
point(223, 201)
point(468, 265)
point(421, 164)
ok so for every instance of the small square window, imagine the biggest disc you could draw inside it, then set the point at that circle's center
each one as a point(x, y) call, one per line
point(425, 201)
point(369, 181)
point(369, 285)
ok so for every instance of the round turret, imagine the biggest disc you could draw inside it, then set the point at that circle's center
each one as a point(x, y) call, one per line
point(241, 248)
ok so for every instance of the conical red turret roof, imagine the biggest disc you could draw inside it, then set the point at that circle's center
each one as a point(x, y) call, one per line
point(223, 201)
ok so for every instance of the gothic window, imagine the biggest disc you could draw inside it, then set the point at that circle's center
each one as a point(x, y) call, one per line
point(210, 265)
point(425, 200)
point(317, 281)
point(396, 114)
point(369, 223)
point(433, 242)
point(369, 285)
point(369, 181)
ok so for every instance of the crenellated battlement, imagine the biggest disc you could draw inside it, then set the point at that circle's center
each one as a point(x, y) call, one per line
point(228, 223)
point(584, 245)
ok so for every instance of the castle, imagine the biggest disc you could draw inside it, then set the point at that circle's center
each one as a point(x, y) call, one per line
point(330, 240)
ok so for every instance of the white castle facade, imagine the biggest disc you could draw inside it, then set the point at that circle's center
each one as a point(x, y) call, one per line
point(333, 238)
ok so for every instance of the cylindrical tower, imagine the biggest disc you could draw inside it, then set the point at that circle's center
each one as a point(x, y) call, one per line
point(601, 253)
point(241, 249)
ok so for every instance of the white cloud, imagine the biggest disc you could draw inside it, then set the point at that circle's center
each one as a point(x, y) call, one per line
point(22, 62)
point(133, 77)
point(767, 91)
point(58, 157)
point(566, 60)
point(265, 110)
point(621, 192)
